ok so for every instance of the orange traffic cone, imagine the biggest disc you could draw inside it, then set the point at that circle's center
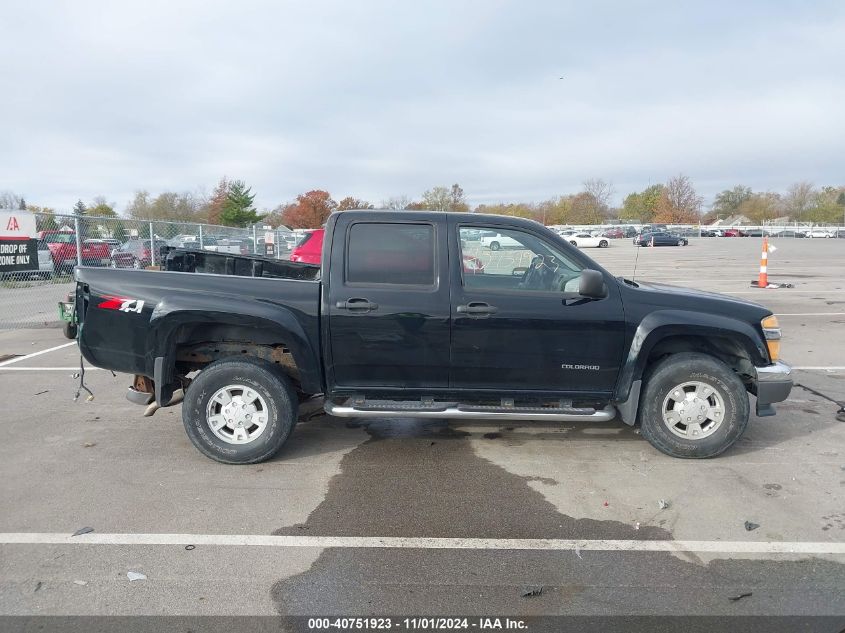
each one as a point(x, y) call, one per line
point(763, 279)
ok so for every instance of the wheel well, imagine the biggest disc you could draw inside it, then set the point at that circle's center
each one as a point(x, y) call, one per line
point(729, 351)
point(197, 345)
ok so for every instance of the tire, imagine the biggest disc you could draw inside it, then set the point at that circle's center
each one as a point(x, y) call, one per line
point(603, 244)
point(684, 372)
point(136, 264)
point(494, 246)
point(275, 397)
point(573, 242)
point(69, 330)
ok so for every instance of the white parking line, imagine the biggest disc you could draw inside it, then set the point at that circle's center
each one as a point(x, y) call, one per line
point(259, 540)
point(820, 368)
point(34, 354)
point(780, 314)
point(87, 368)
point(786, 291)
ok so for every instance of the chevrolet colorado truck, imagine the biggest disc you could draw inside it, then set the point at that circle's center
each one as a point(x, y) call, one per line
point(392, 324)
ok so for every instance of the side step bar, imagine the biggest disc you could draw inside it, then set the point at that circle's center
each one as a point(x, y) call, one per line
point(469, 412)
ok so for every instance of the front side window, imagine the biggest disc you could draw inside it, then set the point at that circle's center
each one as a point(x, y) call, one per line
point(509, 259)
point(391, 253)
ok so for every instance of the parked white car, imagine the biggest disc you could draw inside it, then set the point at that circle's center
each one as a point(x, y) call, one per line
point(585, 240)
point(818, 233)
point(498, 241)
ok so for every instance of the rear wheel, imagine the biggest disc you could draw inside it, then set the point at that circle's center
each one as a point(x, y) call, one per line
point(239, 411)
point(573, 242)
point(69, 330)
point(136, 264)
point(693, 406)
point(603, 244)
point(494, 246)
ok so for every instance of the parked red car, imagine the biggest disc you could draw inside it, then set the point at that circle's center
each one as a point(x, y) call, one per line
point(62, 246)
point(614, 234)
point(310, 251)
point(733, 233)
point(135, 254)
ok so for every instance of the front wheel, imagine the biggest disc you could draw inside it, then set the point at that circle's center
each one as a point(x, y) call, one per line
point(239, 411)
point(494, 246)
point(693, 406)
point(603, 244)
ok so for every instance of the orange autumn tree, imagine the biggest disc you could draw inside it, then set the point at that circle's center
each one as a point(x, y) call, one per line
point(310, 211)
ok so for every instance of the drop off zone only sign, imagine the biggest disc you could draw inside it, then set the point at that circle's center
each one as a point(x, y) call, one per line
point(18, 246)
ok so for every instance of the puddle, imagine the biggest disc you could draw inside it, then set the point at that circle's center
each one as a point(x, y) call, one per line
point(416, 478)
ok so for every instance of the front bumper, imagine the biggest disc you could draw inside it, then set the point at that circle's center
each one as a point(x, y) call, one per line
point(773, 384)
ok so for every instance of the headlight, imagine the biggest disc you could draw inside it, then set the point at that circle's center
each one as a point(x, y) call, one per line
point(771, 330)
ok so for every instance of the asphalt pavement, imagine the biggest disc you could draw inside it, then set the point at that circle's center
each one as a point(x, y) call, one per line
point(551, 519)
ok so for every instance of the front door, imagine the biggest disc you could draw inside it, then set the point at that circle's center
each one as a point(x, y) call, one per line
point(388, 305)
point(514, 330)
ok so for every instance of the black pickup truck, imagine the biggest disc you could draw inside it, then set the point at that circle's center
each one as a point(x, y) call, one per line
point(410, 314)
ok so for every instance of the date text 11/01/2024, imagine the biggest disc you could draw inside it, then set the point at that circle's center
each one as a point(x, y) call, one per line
point(417, 624)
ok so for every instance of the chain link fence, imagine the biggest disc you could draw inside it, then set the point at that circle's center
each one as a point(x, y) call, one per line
point(30, 299)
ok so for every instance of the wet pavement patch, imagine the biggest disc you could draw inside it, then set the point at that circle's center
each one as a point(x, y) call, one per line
point(416, 478)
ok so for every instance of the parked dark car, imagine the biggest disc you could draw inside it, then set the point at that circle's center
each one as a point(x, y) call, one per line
point(789, 233)
point(135, 254)
point(707, 233)
point(660, 238)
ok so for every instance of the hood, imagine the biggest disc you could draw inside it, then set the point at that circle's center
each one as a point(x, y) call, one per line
point(680, 297)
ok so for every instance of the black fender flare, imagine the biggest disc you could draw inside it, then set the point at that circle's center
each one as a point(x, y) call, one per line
point(174, 311)
point(662, 324)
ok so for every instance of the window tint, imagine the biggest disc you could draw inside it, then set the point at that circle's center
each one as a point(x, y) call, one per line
point(391, 254)
point(510, 259)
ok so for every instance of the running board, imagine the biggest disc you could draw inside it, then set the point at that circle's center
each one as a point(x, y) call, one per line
point(377, 409)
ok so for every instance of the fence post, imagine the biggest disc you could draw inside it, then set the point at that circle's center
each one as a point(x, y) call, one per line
point(152, 245)
point(254, 239)
point(78, 241)
point(201, 244)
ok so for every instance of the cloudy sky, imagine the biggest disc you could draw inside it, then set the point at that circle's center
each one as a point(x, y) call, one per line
point(379, 99)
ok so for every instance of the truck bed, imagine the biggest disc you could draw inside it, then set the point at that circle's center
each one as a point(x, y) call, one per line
point(216, 263)
point(131, 317)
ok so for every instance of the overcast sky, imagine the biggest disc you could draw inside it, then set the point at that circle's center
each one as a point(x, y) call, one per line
point(379, 99)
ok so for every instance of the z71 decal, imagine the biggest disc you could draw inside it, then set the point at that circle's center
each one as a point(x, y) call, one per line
point(123, 304)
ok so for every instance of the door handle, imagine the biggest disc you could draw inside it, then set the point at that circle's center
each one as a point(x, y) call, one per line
point(477, 308)
point(356, 304)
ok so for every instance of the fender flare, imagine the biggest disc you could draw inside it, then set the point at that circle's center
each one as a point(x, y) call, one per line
point(662, 324)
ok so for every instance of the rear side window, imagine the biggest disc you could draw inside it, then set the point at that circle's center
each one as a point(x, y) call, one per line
point(391, 254)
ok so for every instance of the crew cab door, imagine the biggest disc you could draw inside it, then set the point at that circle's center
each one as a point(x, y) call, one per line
point(387, 303)
point(514, 330)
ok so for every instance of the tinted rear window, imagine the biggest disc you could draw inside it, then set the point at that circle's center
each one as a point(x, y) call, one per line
point(391, 254)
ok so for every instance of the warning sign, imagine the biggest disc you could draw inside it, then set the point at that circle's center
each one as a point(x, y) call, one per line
point(18, 246)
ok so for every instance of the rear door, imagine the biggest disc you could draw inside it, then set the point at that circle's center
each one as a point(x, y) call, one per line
point(388, 304)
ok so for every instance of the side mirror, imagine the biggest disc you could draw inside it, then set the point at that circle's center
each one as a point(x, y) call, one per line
point(591, 284)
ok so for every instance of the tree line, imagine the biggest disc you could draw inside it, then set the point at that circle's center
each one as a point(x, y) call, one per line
point(676, 201)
